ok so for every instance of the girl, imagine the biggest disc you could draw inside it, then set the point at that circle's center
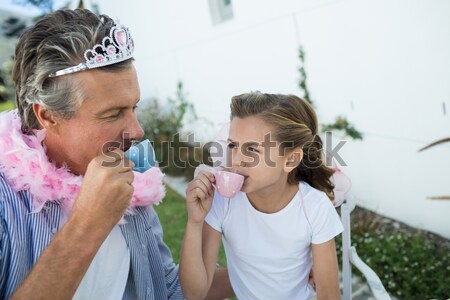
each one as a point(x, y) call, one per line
point(282, 214)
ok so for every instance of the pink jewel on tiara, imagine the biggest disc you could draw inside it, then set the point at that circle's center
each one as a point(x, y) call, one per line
point(116, 47)
point(99, 58)
point(111, 50)
point(121, 38)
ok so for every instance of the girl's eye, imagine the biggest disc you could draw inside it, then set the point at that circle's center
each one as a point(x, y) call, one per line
point(252, 149)
point(231, 146)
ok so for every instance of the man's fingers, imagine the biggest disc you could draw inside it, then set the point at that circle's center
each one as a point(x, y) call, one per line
point(127, 165)
point(112, 156)
point(111, 159)
point(128, 176)
point(116, 158)
point(311, 278)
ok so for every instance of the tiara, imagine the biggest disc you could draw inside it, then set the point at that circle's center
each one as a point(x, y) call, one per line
point(116, 47)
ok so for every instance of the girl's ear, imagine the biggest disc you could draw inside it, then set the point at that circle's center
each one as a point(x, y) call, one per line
point(46, 118)
point(293, 159)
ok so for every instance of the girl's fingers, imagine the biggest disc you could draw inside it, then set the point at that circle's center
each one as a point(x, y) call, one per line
point(204, 181)
point(197, 189)
point(201, 197)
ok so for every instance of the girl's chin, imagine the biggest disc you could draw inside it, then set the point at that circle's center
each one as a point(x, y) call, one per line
point(245, 188)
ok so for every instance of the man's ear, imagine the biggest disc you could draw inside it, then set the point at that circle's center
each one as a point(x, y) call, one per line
point(46, 118)
point(293, 159)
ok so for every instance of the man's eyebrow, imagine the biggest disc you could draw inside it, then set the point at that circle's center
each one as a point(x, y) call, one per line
point(115, 108)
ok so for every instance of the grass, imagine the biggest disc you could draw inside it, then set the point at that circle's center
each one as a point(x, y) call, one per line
point(173, 216)
point(7, 105)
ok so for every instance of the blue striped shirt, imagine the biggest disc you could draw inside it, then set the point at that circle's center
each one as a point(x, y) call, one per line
point(25, 235)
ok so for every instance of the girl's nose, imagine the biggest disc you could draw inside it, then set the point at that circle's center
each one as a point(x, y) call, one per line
point(236, 158)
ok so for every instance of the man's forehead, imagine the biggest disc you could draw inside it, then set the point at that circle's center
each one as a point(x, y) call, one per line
point(92, 81)
point(108, 89)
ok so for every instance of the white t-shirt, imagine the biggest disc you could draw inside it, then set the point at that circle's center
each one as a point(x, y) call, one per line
point(269, 255)
point(107, 274)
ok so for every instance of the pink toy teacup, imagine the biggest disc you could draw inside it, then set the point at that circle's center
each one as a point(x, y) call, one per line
point(228, 184)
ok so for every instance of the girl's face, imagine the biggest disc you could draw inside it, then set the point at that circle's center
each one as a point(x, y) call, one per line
point(254, 153)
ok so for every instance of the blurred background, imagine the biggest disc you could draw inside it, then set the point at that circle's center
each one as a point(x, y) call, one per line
point(377, 73)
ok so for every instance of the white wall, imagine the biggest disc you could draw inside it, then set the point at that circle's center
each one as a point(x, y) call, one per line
point(384, 64)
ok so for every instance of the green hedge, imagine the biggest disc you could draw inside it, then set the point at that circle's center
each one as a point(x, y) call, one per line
point(410, 263)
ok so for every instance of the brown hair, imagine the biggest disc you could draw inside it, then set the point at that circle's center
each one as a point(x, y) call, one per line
point(55, 42)
point(295, 125)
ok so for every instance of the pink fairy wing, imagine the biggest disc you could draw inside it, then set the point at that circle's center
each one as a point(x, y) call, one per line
point(342, 185)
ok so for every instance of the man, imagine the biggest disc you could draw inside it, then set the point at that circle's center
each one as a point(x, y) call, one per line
point(64, 181)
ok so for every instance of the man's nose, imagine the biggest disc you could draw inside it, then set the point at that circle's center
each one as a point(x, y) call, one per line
point(134, 129)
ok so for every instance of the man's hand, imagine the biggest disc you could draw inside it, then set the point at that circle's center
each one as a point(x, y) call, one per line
point(107, 188)
point(104, 196)
point(311, 280)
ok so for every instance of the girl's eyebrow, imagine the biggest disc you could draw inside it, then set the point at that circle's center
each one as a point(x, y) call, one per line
point(247, 143)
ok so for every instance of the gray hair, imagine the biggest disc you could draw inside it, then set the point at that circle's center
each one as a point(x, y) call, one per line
point(55, 42)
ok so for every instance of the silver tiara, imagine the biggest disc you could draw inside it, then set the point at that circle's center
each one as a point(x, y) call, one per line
point(116, 47)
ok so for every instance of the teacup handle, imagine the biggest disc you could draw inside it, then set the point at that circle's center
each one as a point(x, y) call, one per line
point(205, 168)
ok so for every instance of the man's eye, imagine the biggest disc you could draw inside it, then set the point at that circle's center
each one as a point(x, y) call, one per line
point(231, 146)
point(115, 116)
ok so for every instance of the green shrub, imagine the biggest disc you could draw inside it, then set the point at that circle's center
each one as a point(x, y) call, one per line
point(411, 264)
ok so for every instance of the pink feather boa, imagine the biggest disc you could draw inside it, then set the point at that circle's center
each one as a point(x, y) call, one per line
point(26, 167)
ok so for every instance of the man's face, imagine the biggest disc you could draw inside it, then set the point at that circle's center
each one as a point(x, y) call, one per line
point(106, 117)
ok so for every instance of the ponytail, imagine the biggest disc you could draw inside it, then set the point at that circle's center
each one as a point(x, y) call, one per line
point(312, 168)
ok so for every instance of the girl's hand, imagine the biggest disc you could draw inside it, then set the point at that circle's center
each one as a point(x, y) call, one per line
point(199, 196)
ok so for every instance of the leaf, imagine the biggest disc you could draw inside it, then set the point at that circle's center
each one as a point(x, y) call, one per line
point(438, 142)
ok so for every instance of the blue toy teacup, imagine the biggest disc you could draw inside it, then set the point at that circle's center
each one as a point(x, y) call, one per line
point(143, 156)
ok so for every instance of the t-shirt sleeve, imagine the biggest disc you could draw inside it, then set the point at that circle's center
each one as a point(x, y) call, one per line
point(216, 214)
point(324, 219)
